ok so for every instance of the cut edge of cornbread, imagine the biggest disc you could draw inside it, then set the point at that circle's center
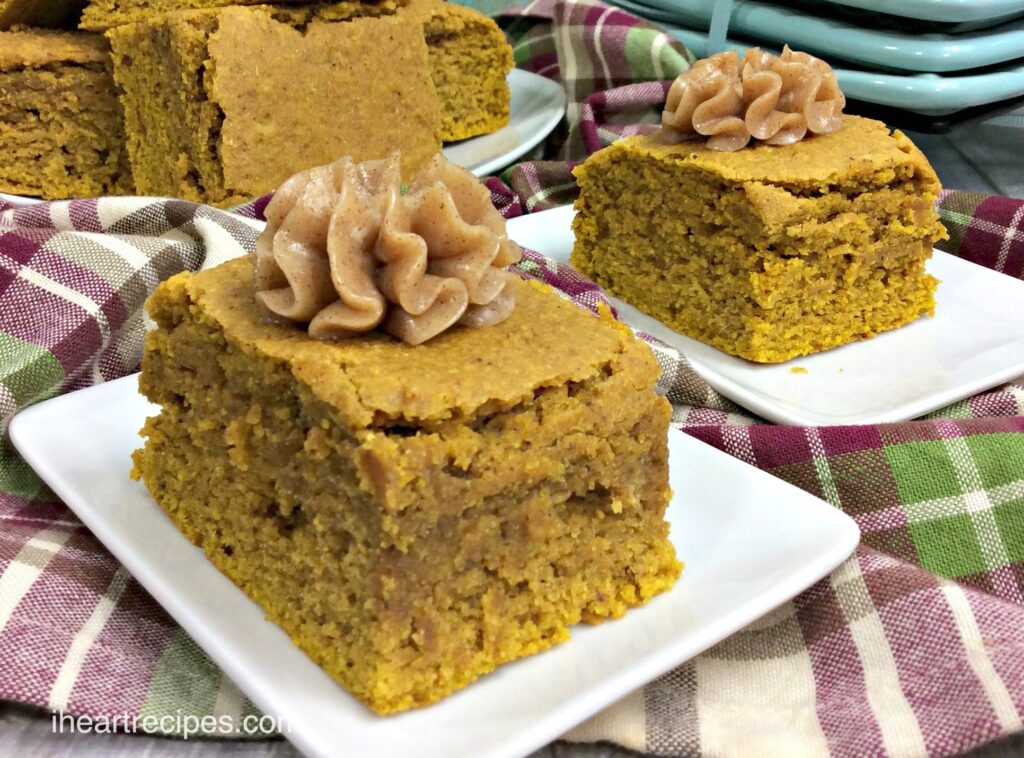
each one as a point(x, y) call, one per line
point(469, 60)
point(171, 125)
point(767, 253)
point(62, 132)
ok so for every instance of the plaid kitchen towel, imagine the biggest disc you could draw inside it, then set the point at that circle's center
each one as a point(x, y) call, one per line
point(915, 646)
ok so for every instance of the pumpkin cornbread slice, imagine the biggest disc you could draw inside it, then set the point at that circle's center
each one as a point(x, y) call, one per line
point(61, 129)
point(209, 120)
point(412, 516)
point(768, 252)
point(469, 56)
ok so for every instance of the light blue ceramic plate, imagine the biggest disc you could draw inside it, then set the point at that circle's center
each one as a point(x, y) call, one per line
point(944, 11)
point(842, 39)
point(930, 94)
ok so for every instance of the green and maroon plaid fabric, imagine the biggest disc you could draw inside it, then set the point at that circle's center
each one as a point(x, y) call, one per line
point(915, 646)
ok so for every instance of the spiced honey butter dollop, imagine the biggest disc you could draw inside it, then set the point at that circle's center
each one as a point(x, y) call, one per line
point(775, 99)
point(348, 249)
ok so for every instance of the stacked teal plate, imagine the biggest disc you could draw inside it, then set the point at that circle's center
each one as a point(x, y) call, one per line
point(963, 13)
point(888, 64)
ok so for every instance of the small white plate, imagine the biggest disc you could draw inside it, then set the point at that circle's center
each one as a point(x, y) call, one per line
point(750, 542)
point(537, 106)
point(974, 342)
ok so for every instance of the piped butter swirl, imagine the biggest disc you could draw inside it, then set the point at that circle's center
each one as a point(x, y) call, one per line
point(346, 251)
point(776, 99)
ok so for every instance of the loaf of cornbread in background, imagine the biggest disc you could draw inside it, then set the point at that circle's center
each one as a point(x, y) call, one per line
point(61, 14)
point(769, 252)
point(222, 105)
point(469, 56)
point(61, 130)
point(412, 516)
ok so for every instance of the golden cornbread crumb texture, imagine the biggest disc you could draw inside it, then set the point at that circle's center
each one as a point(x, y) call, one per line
point(411, 516)
point(61, 130)
point(223, 105)
point(469, 61)
point(768, 252)
point(61, 14)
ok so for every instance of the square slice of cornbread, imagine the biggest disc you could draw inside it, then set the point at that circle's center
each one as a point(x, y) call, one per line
point(222, 105)
point(61, 129)
point(468, 55)
point(412, 516)
point(768, 252)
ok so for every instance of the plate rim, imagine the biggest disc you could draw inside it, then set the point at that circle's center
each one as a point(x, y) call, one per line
point(930, 94)
point(946, 11)
point(651, 665)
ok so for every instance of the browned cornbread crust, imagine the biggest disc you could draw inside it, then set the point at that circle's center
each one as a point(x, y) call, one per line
point(40, 13)
point(223, 105)
point(61, 130)
point(411, 516)
point(768, 252)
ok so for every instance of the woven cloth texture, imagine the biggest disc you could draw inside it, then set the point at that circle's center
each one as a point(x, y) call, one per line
point(914, 646)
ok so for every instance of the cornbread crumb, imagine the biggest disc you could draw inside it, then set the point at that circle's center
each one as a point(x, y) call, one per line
point(769, 252)
point(411, 516)
point(469, 62)
point(61, 129)
point(798, 370)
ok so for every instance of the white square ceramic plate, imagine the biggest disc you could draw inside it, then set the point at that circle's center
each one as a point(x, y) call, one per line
point(750, 542)
point(974, 342)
